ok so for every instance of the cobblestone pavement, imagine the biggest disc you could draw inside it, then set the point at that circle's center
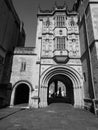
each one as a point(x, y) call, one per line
point(5, 112)
point(54, 117)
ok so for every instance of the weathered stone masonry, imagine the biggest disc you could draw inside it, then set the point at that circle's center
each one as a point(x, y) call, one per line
point(66, 51)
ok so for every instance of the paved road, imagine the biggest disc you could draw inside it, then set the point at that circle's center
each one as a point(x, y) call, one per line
point(55, 117)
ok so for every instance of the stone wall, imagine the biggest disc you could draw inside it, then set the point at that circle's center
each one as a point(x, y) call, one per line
point(95, 68)
point(88, 40)
point(26, 69)
point(19, 73)
point(9, 38)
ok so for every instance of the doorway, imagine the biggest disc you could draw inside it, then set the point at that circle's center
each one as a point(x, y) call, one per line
point(21, 94)
point(60, 89)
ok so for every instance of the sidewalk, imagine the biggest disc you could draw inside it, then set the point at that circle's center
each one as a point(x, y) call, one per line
point(58, 116)
point(5, 112)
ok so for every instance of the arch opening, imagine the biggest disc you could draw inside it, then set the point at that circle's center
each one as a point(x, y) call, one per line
point(21, 94)
point(71, 79)
point(60, 89)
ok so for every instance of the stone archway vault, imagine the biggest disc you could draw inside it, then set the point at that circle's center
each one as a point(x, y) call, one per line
point(74, 76)
point(14, 90)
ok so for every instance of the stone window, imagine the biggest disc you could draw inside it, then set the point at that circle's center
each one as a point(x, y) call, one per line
point(60, 21)
point(47, 22)
point(60, 43)
point(23, 66)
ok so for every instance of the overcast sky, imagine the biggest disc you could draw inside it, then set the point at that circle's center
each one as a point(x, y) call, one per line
point(27, 10)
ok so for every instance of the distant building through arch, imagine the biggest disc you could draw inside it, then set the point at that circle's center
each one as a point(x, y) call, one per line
point(66, 72)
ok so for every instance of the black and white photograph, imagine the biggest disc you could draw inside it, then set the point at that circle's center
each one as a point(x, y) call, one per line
point(48, 64)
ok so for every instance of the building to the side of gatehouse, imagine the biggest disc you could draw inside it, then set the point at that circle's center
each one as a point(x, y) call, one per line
point(12, 34)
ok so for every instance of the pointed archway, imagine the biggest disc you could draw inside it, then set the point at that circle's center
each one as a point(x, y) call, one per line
point(60, 89)
point(71, 76)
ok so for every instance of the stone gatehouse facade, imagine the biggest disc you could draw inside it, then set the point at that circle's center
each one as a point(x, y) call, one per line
point(63, 65)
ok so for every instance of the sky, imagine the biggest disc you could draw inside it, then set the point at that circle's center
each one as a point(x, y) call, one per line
point(27, 11)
